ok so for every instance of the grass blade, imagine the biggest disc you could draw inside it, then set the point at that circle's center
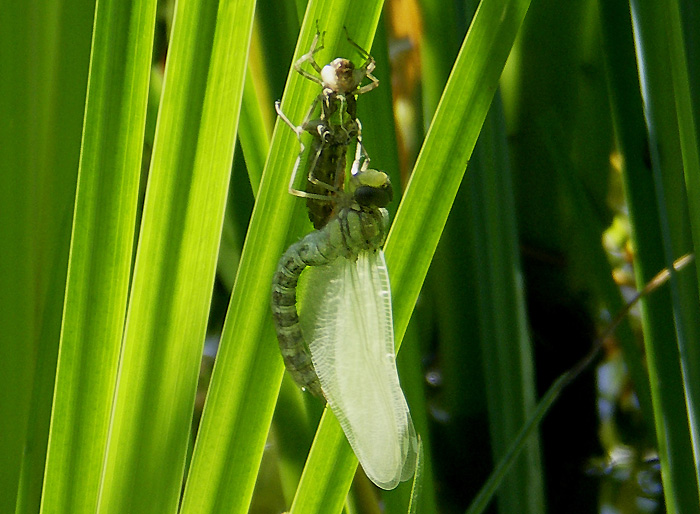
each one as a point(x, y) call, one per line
point(176, 258)
point(101, 250)
point(646, 212)
point(506, 347)
point(686, 116)
point(248, 370)
point(42, 97)
point(18, 270)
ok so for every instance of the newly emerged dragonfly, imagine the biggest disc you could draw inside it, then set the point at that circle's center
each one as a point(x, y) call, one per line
point(345, 320)
point(335, 128)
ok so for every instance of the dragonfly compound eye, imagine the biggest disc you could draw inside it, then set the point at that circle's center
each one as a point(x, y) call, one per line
point(369, 196)
point(372, 188)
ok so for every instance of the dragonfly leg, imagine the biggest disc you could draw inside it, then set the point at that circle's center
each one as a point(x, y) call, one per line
point(316, 127)
point(362, 159)
point(297, 192)
point(362, 51)
point(366, 69)
point(298, 130)
point(304, 194)
point(309, 57)
point(321, 132)
point(313, 196)
point(312, 178)
point(370, 86)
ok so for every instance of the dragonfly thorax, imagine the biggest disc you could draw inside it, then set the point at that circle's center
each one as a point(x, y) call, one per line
point(357, 229)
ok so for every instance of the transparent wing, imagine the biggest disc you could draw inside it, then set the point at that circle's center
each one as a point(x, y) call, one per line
point(346, 319)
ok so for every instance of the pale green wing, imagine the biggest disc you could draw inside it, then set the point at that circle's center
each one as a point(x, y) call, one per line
point(346, 319)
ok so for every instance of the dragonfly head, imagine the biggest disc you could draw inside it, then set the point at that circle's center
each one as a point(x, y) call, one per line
point(371, 188)
point(341, 75)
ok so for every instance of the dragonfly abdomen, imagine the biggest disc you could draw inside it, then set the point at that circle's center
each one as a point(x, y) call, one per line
point(296, 356)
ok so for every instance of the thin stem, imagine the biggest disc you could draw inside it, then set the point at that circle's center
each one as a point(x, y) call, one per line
point(491, 486)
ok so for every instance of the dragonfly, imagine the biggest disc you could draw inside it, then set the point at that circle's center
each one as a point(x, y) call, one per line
point(345, 321)
point(335, 128)
point(332, 133)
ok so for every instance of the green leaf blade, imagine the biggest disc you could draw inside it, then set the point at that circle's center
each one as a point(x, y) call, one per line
point(176, 258)
point(100, 259)
point(660, 230)
point(248, 370)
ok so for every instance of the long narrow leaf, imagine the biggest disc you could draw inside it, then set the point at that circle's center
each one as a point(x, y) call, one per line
point(687, 119)
point(101, 250)
point(176, 258)
point(506, 346)
point(248, 369)
point(642, 193)
point(18, 295)
point(42, 93)
point(686, 111)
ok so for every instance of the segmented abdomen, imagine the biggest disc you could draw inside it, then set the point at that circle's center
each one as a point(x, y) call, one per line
point(351, 232)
